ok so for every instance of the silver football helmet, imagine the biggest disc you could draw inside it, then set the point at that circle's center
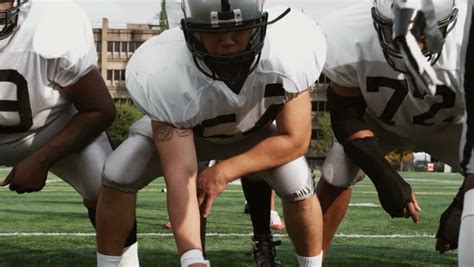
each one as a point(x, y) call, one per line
point(9, 17)
point(383, 15)
point(214, 16)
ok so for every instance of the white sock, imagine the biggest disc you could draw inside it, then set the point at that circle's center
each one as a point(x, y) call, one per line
point(315, 261)
point(108, 261)
point(130, 256)
point(193, 256)
point(466, 231)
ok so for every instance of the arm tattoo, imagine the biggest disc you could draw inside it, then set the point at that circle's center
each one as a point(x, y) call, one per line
point(166, 132)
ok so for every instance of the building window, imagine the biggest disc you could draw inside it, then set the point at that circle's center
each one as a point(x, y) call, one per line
point(98, 46)
point(116, 75)
point(122, 75)
point(131, 47)
point(116, 47)
point(124, 47)
point(319, 106)
point(109, 75)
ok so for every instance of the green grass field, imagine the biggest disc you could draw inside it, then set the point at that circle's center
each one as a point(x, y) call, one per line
point(50, 228)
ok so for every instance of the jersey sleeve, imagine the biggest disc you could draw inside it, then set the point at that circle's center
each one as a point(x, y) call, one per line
point(296, 49)
point(351, 44)
point(64, 39)
point(345, 75)
point(171, 99)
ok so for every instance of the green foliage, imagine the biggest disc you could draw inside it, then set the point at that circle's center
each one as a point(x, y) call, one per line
point(127, 114)
point(324, 142)
point(400, 158)
point(163, 17)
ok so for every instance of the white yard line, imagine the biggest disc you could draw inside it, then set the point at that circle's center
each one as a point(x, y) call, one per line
point(341, 235)
point(370, 205)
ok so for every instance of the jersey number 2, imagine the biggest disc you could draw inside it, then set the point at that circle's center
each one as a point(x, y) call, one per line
point(400, 88)
point(21, 105)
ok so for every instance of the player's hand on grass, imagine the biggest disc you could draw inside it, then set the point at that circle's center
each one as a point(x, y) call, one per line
point(29, 175)
point(449, 223)
point(411, 209)
point(210, 183)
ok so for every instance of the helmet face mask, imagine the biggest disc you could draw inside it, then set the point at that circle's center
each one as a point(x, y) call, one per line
point(383, 22)
point(222, 16)
point(9, 17)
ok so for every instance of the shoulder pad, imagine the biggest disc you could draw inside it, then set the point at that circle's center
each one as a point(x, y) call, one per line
point(295, 48)
point(63, 30)
point(171, 99)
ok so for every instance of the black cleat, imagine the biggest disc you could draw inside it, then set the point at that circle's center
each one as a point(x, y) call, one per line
point(263, 251)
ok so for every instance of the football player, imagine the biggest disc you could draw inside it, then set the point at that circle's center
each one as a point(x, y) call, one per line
point(466, 232)
point(376, 107)
point(211, 91)
point(54, 105)
point(465, 200)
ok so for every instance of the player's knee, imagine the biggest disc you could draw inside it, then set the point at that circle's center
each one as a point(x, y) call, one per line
point(301, 193)
point(117, 179)
point(341, 177)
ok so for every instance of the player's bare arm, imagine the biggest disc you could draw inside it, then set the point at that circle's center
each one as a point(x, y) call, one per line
point(96, 111)
point(294, 132)
point(178, 160)
point(347, 108)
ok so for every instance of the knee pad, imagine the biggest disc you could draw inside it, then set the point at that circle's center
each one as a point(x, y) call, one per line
point(293, 181)
point(338, 170)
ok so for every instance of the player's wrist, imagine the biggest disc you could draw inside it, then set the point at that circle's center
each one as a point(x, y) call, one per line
point(229, 170)
point(46, 158)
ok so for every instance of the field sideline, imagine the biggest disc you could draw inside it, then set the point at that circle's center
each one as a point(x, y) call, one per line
point(50, 228)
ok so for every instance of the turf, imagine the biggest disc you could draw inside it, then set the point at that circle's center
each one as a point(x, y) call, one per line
point(367, 237)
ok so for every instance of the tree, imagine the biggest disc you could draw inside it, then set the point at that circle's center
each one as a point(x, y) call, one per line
point(399, 157)
point(163, 17)
point(324, 141)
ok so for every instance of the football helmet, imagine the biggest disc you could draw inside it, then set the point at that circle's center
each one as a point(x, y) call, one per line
point(215, 16)
point(9, 20)
point(445, 12)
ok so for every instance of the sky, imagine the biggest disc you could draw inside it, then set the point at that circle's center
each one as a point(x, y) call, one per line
point(121, 12)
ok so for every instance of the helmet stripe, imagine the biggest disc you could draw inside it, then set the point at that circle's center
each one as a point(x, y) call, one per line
point(225, 5)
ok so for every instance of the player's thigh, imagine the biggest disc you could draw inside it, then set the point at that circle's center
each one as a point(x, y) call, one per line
point(443, 144)
point(135, 163)
point(82, 170)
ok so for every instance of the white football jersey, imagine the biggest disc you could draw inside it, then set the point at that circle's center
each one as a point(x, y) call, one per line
point(165, 83)
point(52, 48)
point(355, 59)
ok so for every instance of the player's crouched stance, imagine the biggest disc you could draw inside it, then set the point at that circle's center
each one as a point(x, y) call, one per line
point(213, 94)
point(54, 105)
